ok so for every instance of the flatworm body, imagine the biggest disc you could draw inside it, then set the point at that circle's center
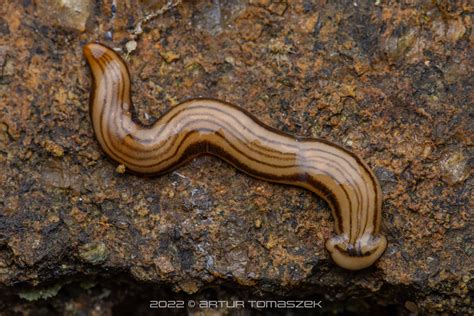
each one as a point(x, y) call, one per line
point(206, 126)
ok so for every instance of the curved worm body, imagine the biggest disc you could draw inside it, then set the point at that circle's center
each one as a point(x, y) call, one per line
point(205, 126)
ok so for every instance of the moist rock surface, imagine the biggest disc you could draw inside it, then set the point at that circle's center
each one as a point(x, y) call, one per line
point(392, 82)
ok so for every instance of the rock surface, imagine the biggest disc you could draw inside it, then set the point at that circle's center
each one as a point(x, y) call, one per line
point(68, 14)
point(393, 82)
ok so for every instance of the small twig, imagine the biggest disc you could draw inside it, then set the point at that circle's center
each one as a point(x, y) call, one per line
point(168, 6)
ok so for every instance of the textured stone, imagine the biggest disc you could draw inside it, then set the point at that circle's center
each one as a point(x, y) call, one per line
point(392, 82)
point(68, 14)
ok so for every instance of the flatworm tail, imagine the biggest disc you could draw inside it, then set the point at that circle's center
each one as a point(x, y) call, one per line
point(206, 126)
